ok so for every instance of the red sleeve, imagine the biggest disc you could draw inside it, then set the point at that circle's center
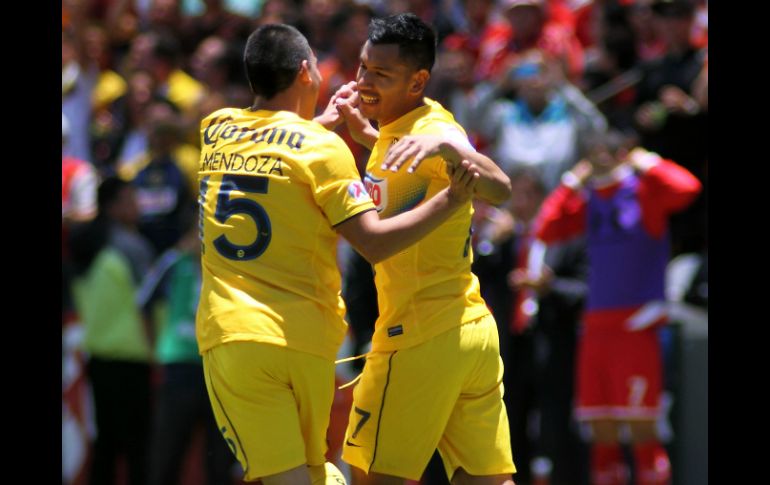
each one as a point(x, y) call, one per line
point(664, 189)
point(562, 216)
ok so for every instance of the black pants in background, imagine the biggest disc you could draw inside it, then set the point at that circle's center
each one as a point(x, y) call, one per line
point(121, 391)
point(182, 405)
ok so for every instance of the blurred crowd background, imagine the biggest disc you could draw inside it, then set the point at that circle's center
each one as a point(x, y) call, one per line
point(530, 80)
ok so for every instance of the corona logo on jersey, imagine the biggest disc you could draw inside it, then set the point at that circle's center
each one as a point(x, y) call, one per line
point(378, 190)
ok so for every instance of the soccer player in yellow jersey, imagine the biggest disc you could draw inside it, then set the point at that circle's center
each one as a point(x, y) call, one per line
point(275, 190)
point(433, 378)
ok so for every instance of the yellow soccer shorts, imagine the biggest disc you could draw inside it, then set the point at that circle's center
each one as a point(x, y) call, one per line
point(445, 393)
point(271, 404)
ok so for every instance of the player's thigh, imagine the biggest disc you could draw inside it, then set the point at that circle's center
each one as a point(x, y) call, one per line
point(636, 376)
point(401, 406)
point(592, 395)
point(255, 404)
point(476, 438)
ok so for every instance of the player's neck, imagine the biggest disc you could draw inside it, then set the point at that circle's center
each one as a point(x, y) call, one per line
point(408, 108)
point(286, 100)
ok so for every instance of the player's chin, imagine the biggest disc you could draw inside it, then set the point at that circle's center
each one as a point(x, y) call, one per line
point(370, 111)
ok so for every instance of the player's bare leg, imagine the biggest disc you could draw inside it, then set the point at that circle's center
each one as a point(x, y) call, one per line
point(607, 464)
point(359, 477)
point(295, 476)
point(651, 459)
point(461, 477)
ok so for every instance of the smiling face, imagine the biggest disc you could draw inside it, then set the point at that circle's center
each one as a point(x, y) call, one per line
point(388, 86)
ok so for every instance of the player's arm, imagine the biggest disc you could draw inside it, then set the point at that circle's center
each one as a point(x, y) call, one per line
point(666, 186)
point(562, 215)
point(377, 239)
point(343, 105)
point(494, 185)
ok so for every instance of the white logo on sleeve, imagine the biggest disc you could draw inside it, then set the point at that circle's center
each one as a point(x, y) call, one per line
point(357, 190)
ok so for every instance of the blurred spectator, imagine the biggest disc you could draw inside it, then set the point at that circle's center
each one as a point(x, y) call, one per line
point(164, 186)
point(537, 310)
point(669, 120)
point(173, 83)
point(78, 78)
point(78, 205)
point(217, 21)
point(530, 27)
point(542, 126)
point(78, 185)
point(621, 200)
point(649, 45)
point(110, 257)
point(610, 66)
point(171, 290)
point(217, 64)
point(119, 130)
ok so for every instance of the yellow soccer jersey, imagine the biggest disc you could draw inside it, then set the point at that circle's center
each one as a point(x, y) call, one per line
point(428, 288)
point(272, 187)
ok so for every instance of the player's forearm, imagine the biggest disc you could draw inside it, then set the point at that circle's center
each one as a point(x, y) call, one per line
point(383, 238)
point(494, 185)
point(562, 216)
point(366, 137)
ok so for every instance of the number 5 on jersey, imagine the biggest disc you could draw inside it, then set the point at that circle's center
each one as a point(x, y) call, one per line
point(227, 207)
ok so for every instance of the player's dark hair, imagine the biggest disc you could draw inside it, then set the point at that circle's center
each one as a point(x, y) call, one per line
point(612, 139)
point(415, 39)
point(532, 174)
point(273, 57)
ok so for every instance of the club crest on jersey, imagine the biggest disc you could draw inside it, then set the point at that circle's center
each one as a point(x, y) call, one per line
point(378, 190)
point(357, 190)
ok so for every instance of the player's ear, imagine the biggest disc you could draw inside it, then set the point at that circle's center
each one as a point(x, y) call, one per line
point(419, 81)
point(304, 72)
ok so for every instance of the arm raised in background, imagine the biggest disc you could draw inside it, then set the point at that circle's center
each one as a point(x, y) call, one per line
point(563, 213)
point(377, 239)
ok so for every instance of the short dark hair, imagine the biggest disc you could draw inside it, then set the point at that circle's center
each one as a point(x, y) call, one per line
point(108, 192)
point(166, 47)
point(531, 173)
point(416, 40)
point(273, 57)
point(613, 139)
point(346, 11)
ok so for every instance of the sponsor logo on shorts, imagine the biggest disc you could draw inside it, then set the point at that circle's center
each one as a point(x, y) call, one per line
point(347, 442)
point(397, 330)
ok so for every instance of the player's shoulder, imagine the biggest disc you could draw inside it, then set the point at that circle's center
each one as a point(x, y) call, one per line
point(221, 114)
point(323, 138)
point(438, 119)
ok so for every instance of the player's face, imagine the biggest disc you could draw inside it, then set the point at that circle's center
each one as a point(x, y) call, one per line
point(601, 159)
point(384, 81)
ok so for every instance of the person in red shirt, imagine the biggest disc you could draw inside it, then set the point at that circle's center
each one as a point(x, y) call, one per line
point(621, 201)
point(530, 26)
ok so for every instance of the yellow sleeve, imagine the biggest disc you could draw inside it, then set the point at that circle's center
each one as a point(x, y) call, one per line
point(335, 183)
point(435, 167)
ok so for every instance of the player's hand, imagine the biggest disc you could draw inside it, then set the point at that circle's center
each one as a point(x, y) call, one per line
point(463, 182)
point(417, 148)
point(677, 101)
point(331, 116)
point(583, 171)
point(520, 279)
